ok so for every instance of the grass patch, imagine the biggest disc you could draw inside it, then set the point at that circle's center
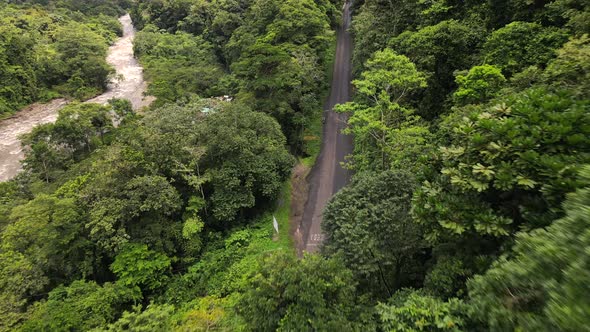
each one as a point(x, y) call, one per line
point(273, 241)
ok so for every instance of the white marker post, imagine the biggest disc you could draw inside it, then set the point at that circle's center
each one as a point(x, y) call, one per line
point(275, 224)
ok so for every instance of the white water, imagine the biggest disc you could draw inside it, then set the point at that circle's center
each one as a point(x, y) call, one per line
point(131, 86)
point(128, 84)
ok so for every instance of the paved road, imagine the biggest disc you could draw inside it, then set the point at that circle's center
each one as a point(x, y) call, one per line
point(328, 176)
point(130, 85)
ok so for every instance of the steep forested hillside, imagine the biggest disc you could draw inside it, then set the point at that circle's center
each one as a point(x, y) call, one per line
point(468, 210)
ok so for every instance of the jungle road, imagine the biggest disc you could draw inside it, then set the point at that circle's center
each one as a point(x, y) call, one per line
point(328, 176)
point(129, 84)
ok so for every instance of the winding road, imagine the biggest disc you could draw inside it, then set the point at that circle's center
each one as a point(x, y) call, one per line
point(128, 84)
point(328, 176)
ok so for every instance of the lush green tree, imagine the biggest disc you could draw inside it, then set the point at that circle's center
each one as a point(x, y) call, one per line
point(447, 277)
point(179, 65)
point(82, 60)
point(208, 313)
point(138, 209)
point(439, 51)
point(386, 134)
point(17, 60)
point(83, 126)
point(156, 318)
point(479, 85)
point(509, 164)
point(389, 73)
point(540, 285)
point(522, 44)
point(300, 22)
point(369, 224)
point(166, 15)
point(575, 13)
point(20, 281)
point(571, 68)
point(12, 193)
point(376, 22)
point(287, 294)
point(269, 79)
point(78, 130)
point(43, 155)
point(48, 231)
point(245, 158)
point(81, 306)
point(411, 311)
point(47, 51)
point(279, 57)
point(137, 266)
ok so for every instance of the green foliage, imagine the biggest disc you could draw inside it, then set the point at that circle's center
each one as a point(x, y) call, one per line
point(376, 23)
point(481, 84)
point(447, 278)
point(81, 306)
point(574, 12)
point(269, 54)
point(541, 284)
point(47, 231)
point(368, 223)
point(280, 84)
point(287, 294)
point(385, 133)
point(78, 130)
point(207, 313)
point(47, 50)
point(178, 65)
point(571, 69)
point(137, 209)
point(390, 73)
point(439, 51)
point(411, 311)
point(81, 60)
point(226, 265)
point(155, 318)
point(136, 265)
point(246, 159)
point(16, 69)
point(89, 7)
point(20, 279)
point(278, 55)
point(526, 147)
point(522, 44)
point(189, 185)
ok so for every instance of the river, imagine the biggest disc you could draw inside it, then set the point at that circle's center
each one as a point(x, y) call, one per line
point(128, 84)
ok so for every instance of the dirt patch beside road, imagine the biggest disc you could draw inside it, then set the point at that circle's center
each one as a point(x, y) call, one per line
point(299, 192)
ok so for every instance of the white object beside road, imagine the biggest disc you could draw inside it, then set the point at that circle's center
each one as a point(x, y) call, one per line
point(275, 224)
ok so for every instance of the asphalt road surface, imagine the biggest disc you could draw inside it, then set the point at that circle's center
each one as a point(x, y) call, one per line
point(327, 176)
point(129, 84)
